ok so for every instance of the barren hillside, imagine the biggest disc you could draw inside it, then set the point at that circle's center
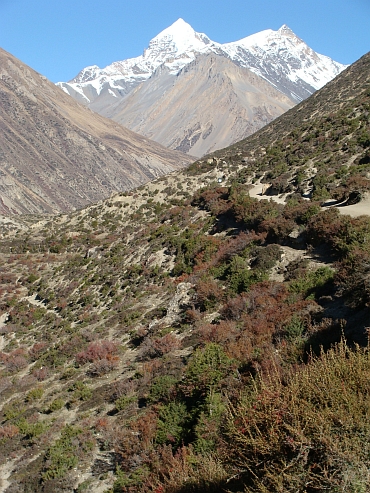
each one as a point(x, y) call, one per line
point(57, 155)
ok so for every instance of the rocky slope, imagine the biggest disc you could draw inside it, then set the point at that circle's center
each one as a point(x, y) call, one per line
point(208, 105)
point(58, 155)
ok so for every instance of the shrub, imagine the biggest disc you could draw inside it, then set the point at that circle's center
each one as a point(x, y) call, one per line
point(62, 456)
point(172, 423)
point(209, 293)
point(56, 405)
point(13, 410)
point(14, 361)
point(8, 431)
point(353, 278)
point(311, 431)
point(266, 257)
point(184, 471)
point(156, 347)
point(240, 277)
point(97, 351)
point(37, 349)
point(40, 374)
point(161, 388)
point(31, 430)
point(294, 329)
point(80, 391)
point(124, 401)
point(35, 394)
point(313, 282)
point(206, 368)
point(221, 333)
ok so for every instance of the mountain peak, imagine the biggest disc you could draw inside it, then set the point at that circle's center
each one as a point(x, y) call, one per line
point(178, 29)
point(175, 46)
point(285, 30)
point(180, 23)
point(180, 37)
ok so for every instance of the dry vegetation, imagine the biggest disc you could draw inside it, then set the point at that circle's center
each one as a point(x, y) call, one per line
point(186, 337)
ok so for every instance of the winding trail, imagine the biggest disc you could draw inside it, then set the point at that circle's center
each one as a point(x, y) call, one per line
point(356, 210)
point(256, 192)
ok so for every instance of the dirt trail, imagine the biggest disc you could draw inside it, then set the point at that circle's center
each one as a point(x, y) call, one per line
point(258, 188)
point(5, 471)
point(3, 319)
point(356, 210)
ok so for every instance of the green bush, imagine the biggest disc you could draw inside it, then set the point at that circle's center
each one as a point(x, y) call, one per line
point(56, 405)
point(205, 370)
point(240, 277)
point(266, 257)
point(294, 329)
point(61, 457)
point(122, 402)
point(172, 424)
point(35, 394)
point(80, 391)
point(161, 387)
point(313, 283)
point(31, 430)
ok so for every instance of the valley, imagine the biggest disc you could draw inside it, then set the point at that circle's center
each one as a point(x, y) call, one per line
point(205, 331)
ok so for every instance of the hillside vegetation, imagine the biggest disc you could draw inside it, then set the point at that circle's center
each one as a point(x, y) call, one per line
point(188, 337)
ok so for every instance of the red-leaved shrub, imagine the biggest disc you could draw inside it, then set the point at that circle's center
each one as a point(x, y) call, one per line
point(97, 351)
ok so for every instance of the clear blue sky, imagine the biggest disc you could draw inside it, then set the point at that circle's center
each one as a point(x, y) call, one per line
point(59, 38)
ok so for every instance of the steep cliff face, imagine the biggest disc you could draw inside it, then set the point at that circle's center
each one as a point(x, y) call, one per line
point(57, 155)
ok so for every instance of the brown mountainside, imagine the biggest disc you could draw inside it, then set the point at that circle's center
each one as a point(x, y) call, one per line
point(210, 104)
point(56, 155)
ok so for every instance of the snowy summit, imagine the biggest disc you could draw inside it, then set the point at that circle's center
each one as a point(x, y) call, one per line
point(280, 57)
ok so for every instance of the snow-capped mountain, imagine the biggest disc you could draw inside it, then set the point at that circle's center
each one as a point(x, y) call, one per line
point(174, 47)
point(280, 57)
point(174, 95)
point(285, 61)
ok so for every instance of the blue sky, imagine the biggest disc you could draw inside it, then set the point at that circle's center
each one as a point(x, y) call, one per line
point(59, 38)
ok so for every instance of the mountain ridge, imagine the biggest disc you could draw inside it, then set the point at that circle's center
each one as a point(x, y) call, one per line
point(58, 155)
point(176, 55)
